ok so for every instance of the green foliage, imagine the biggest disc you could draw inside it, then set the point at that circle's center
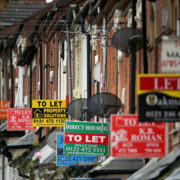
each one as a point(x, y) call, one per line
point(36, 143)
point(17, 156)
point(30, 165)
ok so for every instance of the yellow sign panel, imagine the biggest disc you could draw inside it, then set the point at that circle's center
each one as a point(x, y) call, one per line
point(49, 104)
point(49, 113)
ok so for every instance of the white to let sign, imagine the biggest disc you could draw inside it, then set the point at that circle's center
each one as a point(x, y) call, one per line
point(170, 54)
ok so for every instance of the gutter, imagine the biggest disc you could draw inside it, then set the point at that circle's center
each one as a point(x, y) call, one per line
point(104, 53)
point(19, 146)
point(107, 172)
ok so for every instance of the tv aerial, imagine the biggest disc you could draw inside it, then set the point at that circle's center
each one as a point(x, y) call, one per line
point(78, 109)
point(100, 105)
point(104, 104)
point(124, 38)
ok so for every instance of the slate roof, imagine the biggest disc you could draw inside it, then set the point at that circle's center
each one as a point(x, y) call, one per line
point(164, 166)
point(23, 142)
point(118, 166)
point(4, 131)
point(16, 11)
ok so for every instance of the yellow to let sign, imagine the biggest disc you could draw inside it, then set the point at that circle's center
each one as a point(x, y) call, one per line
point(49, 113)
point(49, 104)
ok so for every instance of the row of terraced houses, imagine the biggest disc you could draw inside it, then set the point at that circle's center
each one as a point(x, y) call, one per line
point(72, 49)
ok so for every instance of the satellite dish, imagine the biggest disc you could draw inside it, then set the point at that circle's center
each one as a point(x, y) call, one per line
point(78, 109)
point(104, 104)
point(125, 37)
point(52, 139)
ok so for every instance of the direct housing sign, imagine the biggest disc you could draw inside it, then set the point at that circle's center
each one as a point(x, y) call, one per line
point(86, 138)
point(49, 113)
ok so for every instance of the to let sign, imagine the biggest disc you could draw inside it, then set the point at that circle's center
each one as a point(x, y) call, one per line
point(20, 119)
point(49, 113)
point(159, 97)
point(65, 160)
point(130, 138)
point(4, 105)
point(86, 138)
point(170, 54)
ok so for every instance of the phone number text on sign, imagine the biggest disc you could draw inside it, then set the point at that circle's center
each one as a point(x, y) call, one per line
point(83, 149)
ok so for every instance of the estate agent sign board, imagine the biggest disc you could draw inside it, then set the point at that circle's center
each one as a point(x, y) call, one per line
point(65, 160)
point(4, 105)
point(130, 138)
point(159, 97)
point(49, 113)
point(20, 119)
point(86, 138)
point(170, 54)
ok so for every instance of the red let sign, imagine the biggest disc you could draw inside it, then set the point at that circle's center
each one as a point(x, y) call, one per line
point(20, 119)
point(130, 138)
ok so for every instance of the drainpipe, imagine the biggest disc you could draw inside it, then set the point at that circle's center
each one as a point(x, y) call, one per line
point(6, 89)
point(104, 53)
point(30, 85)
point(145, 61)
point(40, 69)
point(59, 70)
point(69, 65)
point(45, 71)
point(89, 66)
point(6, 80)
point(12, 82)
point(85, 67)
point(133, 63)
point(86, 62)
point(3, 167)
point(40, 74)
point(1, 79)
